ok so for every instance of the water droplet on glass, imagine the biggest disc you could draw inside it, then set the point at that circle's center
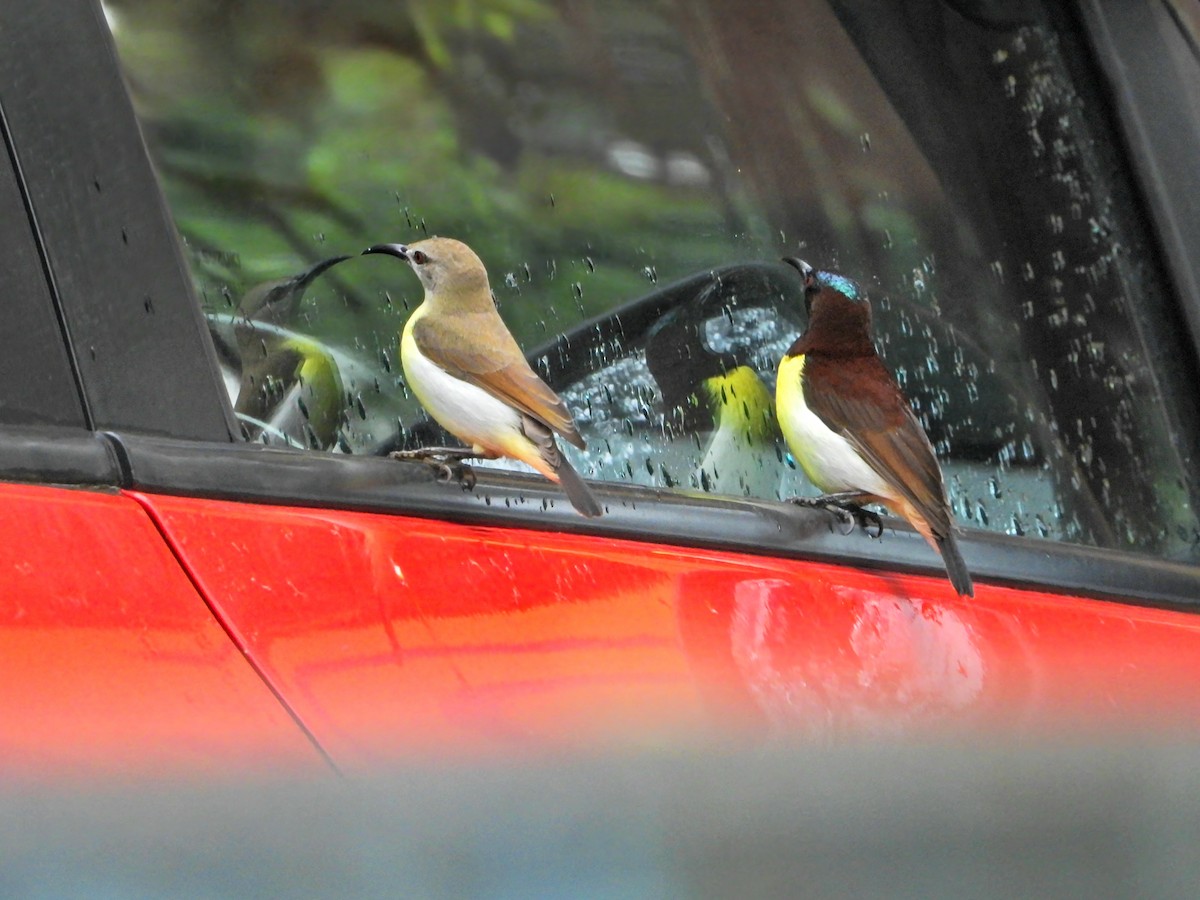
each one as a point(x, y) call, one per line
point(865, 140)
point(650, 273)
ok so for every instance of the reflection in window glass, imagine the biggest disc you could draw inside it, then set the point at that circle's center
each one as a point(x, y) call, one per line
point(658, 159)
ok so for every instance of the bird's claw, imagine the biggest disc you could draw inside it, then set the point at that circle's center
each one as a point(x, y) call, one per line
point(868, 520)
point(844, 517)
point(847, 513)
point(457, 472)
point(446, 469)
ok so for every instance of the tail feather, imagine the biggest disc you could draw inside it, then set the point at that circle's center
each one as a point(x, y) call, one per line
point(945, 544)
point(956, 566)
point(577, 491)
point(548, 459)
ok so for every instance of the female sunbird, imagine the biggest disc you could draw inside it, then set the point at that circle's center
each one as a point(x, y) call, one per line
point(467, 370)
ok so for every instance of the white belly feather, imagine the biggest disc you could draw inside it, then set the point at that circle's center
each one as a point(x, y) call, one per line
point(828, 459)
point(468, 412)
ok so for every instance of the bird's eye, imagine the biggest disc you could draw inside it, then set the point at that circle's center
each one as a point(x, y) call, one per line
point(419, 257)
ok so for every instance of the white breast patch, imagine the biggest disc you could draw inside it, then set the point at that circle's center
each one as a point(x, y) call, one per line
point(468, 412)
point(828, 459)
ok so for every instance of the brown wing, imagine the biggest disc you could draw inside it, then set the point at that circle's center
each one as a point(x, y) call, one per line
point(454, 344)
point(860, 400)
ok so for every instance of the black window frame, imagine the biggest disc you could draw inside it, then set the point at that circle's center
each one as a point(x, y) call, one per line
point(155, 416)
point(111, 259)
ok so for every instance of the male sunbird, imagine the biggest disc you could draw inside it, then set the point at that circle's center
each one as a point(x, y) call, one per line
point(850, 426)
point(467, 370)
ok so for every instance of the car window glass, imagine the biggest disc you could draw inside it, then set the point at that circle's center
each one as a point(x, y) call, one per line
point(631, 173)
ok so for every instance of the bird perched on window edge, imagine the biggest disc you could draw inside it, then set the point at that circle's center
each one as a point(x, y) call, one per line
point(850, 426)
point(469, 373)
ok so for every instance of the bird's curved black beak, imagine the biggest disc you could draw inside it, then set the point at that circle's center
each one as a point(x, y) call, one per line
point(807, 272)
point(310, 274)
point(397, 250)
point(798, 264)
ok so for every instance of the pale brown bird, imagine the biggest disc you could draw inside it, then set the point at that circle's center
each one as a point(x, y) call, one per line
point(467, 370)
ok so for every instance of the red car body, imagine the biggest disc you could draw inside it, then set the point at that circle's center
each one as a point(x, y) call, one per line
point(138, 639)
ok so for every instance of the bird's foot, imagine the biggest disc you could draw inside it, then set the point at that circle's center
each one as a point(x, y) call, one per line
point(458, 472)
point(868, 520)
point(846, 511)
point(843, 515)
point(446, 462)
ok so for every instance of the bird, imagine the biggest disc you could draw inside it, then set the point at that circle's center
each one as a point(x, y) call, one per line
point(744, 431)
point(705, 390)
point(290, 385)
point(469, 373)
point(850, 426)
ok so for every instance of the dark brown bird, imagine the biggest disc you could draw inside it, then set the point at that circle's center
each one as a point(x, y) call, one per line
point(850, 426)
